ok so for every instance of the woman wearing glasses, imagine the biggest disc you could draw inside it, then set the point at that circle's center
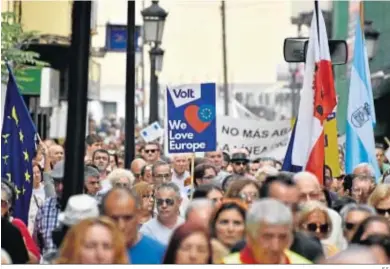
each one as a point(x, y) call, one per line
point(315, 220)
point(247, 190)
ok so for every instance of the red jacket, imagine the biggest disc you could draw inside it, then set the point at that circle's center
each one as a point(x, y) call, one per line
point(30, 244)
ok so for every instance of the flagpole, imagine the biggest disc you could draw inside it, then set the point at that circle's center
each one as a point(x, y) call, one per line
point(362, 15)
point(316, 9)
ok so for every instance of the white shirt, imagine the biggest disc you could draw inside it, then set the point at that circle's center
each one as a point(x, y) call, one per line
point(156, 230)
point(179, 181)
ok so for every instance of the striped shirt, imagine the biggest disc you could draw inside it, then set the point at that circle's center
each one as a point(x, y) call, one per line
point(46, 222)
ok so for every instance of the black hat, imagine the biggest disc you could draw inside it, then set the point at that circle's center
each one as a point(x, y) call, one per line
point(239, 157)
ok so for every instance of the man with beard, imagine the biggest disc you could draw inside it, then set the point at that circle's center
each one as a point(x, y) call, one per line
point(101, 159)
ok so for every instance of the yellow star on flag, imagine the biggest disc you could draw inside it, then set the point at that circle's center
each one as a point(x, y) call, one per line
point(9, 176)
point(21, 136)
point(26, 156)
point(5, 158)
point(5, 137)
point(17, 191)
point(27, 176)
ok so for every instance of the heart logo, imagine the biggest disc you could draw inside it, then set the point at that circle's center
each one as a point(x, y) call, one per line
point(191, 114)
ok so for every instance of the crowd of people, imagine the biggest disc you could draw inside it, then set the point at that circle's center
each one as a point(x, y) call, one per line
point(223, 209)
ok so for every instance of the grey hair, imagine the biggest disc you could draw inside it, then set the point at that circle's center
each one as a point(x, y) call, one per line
point(366, 165)
point(170, 186)
point(355, 207)
point(270, 211)
point(119, 173)
point(8, 192)
point(306, 174)
point(90, 171)
point(198, 203)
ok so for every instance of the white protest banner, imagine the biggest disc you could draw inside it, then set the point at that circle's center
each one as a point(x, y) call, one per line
point(260, 138)
point(152, 132)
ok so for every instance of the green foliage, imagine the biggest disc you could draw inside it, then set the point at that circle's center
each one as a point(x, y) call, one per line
point(12, 39)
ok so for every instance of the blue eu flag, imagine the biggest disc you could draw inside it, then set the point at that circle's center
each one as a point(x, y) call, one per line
point(17, 148)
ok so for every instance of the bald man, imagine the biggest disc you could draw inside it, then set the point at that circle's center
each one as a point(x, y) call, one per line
point(56, 154)
point(121, 206)
point(310, 189)
point(136, 167)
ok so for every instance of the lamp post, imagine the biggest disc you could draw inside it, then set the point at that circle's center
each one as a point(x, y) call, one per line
point(154, 20)
point(156, 58)
point(371, 35)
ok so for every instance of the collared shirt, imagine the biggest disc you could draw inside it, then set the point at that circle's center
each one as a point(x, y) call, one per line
point(46, 222)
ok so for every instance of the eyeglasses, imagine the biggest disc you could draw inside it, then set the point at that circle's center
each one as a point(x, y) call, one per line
point(168, 202)
point(4, 203)
point(240, 163)
point(382, 211)
point(137, 175)
point(313, 227)
point(349, 225)
point(251, 195)
point(150, 150)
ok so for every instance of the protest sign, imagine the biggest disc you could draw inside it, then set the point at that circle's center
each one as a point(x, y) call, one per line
point(260, 138)
point(191, 121)
point(152, 132)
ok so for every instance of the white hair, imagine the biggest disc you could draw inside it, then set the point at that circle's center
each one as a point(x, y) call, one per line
point(5, 257)
point(356, 207)
point(169, 186)
point(267, 170)
point(198, 204)
point(270, 211)
point(119, 173)
point(367, 166)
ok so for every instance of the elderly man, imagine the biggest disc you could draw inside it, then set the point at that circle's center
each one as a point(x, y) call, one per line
point(269, 229)
point(121, 205)
point(180, 175)
point(92, 183)
point(136, 167)
point(310, 189)
point(363, 182)
point(168, 200)
point(56, 154)
point(352, 215)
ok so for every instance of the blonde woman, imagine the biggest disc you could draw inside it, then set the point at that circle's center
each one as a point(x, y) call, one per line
point(145, 193)
point(93, 241)
point(121, 178)
point(380, 200)
point(315, 220)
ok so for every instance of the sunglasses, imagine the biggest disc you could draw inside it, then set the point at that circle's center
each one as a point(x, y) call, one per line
point(349, 225)
point(380, 211)
point(240, 163)
point(313, 227)
point(137, 175)
point(150, 150)
point(246, 196)
point(163, 175)
point(168, 202)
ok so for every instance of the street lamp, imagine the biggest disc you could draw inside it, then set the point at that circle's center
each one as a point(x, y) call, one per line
point(154, 20)
point(371, 35)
